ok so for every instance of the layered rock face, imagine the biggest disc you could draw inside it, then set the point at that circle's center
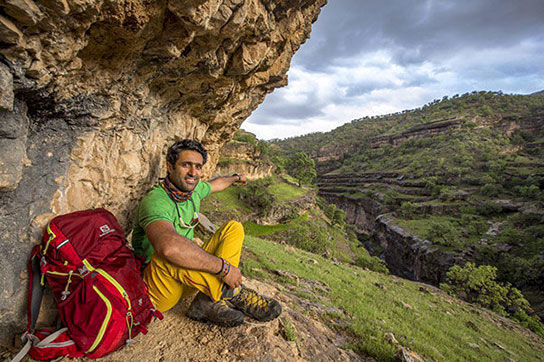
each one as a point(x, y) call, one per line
point(93, 92)
point(243, 158)
point(405, 254)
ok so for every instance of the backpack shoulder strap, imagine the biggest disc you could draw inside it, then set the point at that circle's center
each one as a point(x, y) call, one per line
point(35, 288)
point(35, 294)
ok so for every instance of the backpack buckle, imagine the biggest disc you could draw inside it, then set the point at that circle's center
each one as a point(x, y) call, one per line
point(64, 294)
point(83, 271)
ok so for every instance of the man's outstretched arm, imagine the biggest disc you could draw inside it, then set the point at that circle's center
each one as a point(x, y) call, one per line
point(182, 252)
point(221, 183)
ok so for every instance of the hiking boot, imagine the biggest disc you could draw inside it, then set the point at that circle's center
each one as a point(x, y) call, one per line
point(203, 309)
point(256, 306)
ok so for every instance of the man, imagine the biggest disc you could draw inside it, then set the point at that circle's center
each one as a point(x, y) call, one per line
point(178, 268)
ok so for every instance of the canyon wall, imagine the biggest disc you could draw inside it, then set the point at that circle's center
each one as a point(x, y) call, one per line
point(93, 92)
point(405, 254)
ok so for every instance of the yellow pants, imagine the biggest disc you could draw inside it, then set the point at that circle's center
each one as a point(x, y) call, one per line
point(168, 283)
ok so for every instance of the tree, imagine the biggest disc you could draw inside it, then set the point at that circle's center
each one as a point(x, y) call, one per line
point(478, 285)
point(301, 167)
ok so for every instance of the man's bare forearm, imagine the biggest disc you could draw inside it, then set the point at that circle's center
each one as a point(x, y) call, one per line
point(220, 183)
point(179, 250)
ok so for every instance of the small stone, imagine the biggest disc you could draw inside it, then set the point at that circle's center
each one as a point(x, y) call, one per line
point(287, 274)
point(424, 290)
point(407, 355)
point(473, 345)
point(390, 337)
point(381, 286)
point(498, 346)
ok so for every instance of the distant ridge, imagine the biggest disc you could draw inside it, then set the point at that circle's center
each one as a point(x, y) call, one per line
point(539, 93)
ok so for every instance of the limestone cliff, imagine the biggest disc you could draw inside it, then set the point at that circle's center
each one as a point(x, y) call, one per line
point(244, 158)
point(92, 92)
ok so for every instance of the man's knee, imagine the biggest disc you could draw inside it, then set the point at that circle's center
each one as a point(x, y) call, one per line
point(234, 227)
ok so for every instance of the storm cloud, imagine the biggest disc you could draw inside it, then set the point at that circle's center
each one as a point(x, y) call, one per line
point(368, 57)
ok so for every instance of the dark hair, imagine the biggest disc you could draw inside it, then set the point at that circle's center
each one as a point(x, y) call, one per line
point(183, 145)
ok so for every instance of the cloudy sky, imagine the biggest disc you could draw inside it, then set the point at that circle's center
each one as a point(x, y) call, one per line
point(372, 57)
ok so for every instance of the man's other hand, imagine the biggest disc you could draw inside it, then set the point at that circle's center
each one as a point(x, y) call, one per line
point(234, 278)
point(243, 179)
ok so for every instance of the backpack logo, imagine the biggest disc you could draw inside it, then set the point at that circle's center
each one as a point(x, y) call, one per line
point(106, 230)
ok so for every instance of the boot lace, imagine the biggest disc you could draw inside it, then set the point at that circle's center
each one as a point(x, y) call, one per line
point(253, 300)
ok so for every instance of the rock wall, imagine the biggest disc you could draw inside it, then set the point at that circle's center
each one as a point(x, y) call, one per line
point(425, 130)
point(411, 257)
point(360, 212)
point(405, 255)
point(93, 92)
point(243, 158)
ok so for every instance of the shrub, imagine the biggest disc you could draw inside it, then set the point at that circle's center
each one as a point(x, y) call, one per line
point(490, 190)
point(280, 163)
point(314, 240)
point(339, 217)
point(527, 192)
point(408, 209)
point(263, 147)
point(256, 194)
point(245, 137)
point(478, 285)
point(441, 232)
point(301, 167)
point(488, 208)
point(329, 210)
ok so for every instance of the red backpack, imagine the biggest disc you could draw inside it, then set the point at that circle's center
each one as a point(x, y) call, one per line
point(95, 278)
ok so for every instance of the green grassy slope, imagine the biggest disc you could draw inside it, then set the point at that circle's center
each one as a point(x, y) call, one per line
point(368, 305)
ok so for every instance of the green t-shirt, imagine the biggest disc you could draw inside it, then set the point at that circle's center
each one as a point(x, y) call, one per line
point(157, 205)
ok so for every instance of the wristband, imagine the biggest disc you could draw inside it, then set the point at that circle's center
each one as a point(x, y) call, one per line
point(225, 270)
point(222, 266)
point(239, 177)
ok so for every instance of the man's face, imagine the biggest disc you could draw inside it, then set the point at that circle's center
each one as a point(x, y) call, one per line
point(186, 173)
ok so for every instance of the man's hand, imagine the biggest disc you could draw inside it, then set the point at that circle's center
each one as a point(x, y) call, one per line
point(243, 179)
point(234, 278)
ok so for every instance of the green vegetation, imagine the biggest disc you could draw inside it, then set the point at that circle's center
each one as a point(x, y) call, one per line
point(245, 137)
point(284, 191)
point(478, 285)
point(465, 172)
point(289, 330)
point(373, 304)
point(257, 195)
point(445, 230)
point(301, 167)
